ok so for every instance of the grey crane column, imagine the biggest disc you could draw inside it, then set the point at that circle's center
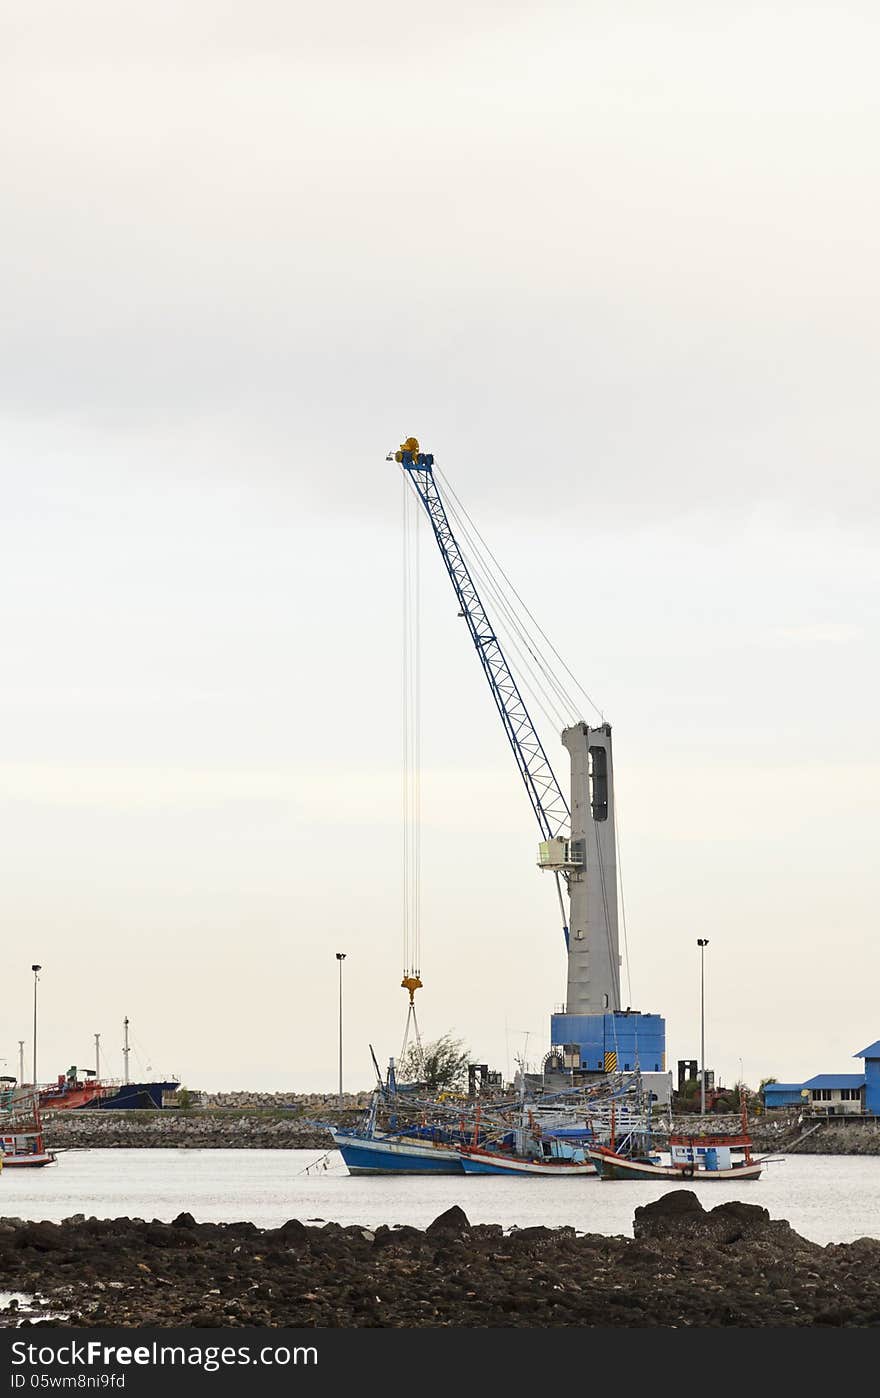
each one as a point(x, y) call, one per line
point(593, 957)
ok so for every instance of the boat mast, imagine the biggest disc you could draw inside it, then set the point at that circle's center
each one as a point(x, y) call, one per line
point(125, 1049)
point(97, 1058)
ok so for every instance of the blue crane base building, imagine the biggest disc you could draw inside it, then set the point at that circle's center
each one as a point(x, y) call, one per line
point(618, 1041)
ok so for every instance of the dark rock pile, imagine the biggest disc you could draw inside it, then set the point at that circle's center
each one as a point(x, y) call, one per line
point(685, 1266)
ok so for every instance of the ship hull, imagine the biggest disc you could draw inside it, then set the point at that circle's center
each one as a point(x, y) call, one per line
point(136, 1096)
point(618, 1168)
point(487, 1163)
point(28, 1162)
point(365, 1155)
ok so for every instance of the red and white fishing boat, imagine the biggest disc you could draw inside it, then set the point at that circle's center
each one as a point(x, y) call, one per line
point(690, 1159)
point(479, 1161)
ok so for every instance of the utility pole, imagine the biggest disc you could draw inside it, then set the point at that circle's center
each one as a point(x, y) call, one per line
point(702, 943)
point(125, 1049)
point(340, 957)
point(20, 1062)
point(36, 970)
point(97, 1058)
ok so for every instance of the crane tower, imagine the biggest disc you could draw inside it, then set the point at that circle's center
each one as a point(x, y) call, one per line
point(591, 1034)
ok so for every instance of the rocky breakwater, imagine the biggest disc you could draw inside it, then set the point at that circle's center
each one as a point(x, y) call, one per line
point(685, 1266)
point(198, 1130)
point(830, 1137)
point(781, 1131)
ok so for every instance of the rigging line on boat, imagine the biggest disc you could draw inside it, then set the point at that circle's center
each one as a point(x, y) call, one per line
point(525, 608)
point(313, 1164)
point(478, 563)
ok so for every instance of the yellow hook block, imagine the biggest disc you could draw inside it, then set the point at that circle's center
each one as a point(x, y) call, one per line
point(412, 984)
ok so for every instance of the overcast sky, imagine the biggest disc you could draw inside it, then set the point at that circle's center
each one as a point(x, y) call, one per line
point(616, 265)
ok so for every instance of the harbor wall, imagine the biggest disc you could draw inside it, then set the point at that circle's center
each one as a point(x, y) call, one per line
point(299, 1125)
point(264, 1127)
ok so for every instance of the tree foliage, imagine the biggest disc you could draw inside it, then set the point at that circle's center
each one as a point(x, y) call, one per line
point(440, 1064)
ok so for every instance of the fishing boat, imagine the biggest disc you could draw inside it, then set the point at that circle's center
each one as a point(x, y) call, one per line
point(397, 1147)
point(554, 1140)
point(385, 1154)
point(689, 1158)
point(477, 1160)
point(21, 1131)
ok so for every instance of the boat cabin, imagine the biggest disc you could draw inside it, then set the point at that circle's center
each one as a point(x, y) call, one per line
point(703, 1157)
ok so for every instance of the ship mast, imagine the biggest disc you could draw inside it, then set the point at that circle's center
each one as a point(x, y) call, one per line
point(125, 1049)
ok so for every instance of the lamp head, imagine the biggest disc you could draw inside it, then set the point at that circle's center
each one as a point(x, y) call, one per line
point(340, 956)
point(36, 968)
point(702, 941)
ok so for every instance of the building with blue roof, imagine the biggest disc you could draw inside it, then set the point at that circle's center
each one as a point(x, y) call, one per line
point(834, 1094)
point(838, 1094)
point(871, 1055)
point(783, 1094)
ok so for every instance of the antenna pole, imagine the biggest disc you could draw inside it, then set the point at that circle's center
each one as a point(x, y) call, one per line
point(36, 970)
point(125, 1048)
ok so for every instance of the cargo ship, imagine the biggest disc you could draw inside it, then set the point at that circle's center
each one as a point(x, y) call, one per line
point(87, 1089)
point(71, 1091)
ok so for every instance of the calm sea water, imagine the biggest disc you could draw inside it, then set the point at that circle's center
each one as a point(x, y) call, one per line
point(826, 1198)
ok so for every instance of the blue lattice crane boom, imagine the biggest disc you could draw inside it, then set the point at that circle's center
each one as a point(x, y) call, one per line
point(544, 792)
point(578, 838)
point(578, 842)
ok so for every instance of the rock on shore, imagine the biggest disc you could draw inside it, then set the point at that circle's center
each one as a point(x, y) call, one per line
point(732, 1265)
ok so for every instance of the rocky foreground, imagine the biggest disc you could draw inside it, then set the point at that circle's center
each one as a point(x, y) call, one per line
point(685, 1266)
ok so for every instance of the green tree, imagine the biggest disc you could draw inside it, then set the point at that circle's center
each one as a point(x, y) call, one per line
point(440, 1064)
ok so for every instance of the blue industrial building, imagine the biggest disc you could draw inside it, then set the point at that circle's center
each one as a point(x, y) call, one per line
point(871, 1055)
point(840, 1094)
point(783, 1094)
point(618, 1041)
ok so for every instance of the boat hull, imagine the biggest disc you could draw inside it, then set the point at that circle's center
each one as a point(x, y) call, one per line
point(29, 1162)
point(136, 1096)
point(366, 1155)
point(618, 1168)
point(487, 1163)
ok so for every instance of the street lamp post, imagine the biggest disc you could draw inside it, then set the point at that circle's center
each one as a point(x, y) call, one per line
point(340, 957)
point(36, 970)
point(702, 943)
